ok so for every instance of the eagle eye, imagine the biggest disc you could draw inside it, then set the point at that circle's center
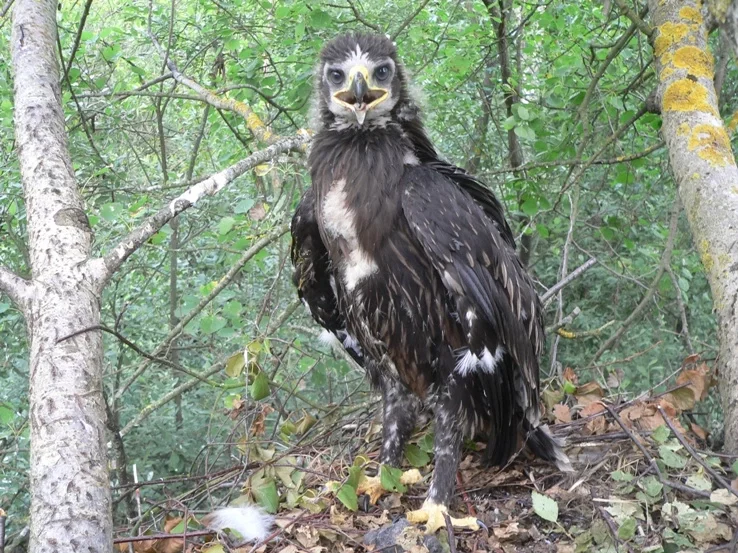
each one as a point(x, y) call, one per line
point(336, 76)
point(382, 72)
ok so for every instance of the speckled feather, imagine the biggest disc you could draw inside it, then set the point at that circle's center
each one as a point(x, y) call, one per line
point(413, 257)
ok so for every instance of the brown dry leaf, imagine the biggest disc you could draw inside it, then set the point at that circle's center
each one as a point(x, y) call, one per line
point(307, 537)
point(172, 545)
point(258, 212)
point(289, 549)
point(699, 380)
point(570, 375)
point(690, 359)
point(615, 378)
point(593, 408)
point(561, 413)
point(734, 484)
point(682, 398)
point(511, 532)
point(565, 547)
point(337, 517)
point(700, 432)
point(258, 426)
point(588, 393)
point(597, 425)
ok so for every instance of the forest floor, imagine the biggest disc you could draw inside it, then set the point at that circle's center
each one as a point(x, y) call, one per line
point(643, 482)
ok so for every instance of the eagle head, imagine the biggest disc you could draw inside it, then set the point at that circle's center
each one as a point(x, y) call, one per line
point(360, 80)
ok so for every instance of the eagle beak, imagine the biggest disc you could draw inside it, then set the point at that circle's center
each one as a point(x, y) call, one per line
point(359, 96)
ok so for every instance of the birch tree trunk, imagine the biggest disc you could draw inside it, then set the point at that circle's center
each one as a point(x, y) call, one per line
point(705, 171)
point(70, 492)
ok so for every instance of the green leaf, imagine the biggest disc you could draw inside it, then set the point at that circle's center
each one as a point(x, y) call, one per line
point(671, 459)
point(661, 434)
point(235, 364)
point(210, 324)
point(390, 479)
point(110, 212)
point(260, 387)
point(225, 225)
point(652, 486)
point(426, 442)
point(523, 113)
point(244, 205)
point(569, 387)
point(416, 456)
point(4, 307)
point(735, 467)
point(545, 507)
point(347, 496)
point(620, 476)
point(529, 207)
point(265, 494)
point(627, 529)
point(7, 414)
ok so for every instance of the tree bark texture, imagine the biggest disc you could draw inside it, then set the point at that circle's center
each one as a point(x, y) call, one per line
point(70, 492)
point(705, 171)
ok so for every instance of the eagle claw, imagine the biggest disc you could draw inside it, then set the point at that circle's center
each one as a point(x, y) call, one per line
point(433, 515)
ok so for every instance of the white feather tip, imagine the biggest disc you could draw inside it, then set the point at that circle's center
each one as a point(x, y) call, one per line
point(251, 522)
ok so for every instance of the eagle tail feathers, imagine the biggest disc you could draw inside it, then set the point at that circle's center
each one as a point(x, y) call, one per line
point(548, 447)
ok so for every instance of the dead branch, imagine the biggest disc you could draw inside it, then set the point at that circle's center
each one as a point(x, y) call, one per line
point(548, 296)
point(104, 268)
point(711, 471)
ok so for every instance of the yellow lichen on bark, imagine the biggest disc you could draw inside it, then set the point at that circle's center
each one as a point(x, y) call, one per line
point(691, 14)
point(712, 144)
point(687, 95)
point(669, 35)
point(733, 123)
point(696, 61)
point(683, 129)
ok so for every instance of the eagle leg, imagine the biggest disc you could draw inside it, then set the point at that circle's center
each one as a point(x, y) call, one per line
point(400, 410)
point(447, 449)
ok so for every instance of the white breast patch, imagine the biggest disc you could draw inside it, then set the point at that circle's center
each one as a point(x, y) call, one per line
point(338, 220)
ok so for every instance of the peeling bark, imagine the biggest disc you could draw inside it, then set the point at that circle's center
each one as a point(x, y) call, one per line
point(70, 492)
point(705, 171)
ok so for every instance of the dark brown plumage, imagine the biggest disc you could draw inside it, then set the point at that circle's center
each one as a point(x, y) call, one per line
point(410, 262)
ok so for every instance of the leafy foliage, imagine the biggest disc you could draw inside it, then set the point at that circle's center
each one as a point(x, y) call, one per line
point(138, 139)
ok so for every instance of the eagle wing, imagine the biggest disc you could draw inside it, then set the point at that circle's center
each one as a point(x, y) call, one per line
point(313, 275)
point(474, 257)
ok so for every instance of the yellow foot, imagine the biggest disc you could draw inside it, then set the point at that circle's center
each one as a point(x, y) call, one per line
point(432, 515)
point(372, 485)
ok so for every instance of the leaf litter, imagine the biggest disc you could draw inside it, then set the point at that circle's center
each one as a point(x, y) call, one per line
point(637, 487)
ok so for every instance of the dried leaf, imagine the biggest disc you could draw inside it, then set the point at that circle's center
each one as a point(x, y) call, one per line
point(588, 393)
point(724, 497)
point(593, 408)
point(698, 431)
point(258, 212)
point(615, 378)
point(682, 398)
point(570, 376)
point(561, 413)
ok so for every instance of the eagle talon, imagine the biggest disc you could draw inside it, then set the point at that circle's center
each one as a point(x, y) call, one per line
point(432, 514)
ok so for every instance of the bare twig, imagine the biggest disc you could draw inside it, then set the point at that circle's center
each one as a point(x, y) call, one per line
point(711, 471)
point(103, 268)
point(631, 14)
point(409, 20)
point(77, 40)
point(548, 296)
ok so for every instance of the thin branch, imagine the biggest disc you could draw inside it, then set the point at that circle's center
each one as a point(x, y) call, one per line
point(16, 288)
point(548, 296)
point(105, 267)
point(711, 471)
point(77, 40)
point(255, 248)
point(630, 13)
point(665, 260)
point(253, 121)
point(134, 347)
point(409, 20)
point(6, 8)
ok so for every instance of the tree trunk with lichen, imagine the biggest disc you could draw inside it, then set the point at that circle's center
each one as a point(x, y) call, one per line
point(705, 171)
point(69, 482)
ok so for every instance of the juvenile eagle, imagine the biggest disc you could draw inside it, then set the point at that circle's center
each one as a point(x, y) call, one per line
point(409, 261)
